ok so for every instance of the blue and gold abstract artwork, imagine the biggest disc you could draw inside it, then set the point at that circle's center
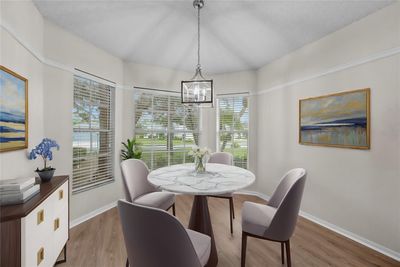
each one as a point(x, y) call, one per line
point(13, 110)
point(338, 120)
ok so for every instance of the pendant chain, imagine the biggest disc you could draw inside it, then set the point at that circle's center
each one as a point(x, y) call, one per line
point(198, 37)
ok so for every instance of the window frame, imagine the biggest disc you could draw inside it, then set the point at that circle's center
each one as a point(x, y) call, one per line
point(169, 129)
point(111, 132)
point(233, 131)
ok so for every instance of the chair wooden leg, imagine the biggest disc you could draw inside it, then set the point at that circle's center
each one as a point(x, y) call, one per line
point(231, 214)
point(283, 252)
point(173, 209)
point(233, 207)
point(127, 262)
point(244, 245)
point(289, 262)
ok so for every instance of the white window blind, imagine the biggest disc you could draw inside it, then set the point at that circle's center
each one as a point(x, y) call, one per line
point(165, 128)
point(233, 127)
point(93, 134)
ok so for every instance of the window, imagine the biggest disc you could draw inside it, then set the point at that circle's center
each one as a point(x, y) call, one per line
point(93, 134)
point(165, 128)
point(233, 127)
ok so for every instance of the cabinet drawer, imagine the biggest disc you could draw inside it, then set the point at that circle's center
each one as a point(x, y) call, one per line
point(44, 231)
point(36, 245)
point(60, 198)
point(59, 223)
point(37, 229)
point(60, 234)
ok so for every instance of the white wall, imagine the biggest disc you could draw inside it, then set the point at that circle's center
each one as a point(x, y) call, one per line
point(47, 55)
point(155, 77)
point(67, 49)
point(357, 190)
point(15, 164)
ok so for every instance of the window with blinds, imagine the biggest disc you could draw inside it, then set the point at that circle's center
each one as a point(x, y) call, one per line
point(233, 127)
point(93, 134)
point(165, 128)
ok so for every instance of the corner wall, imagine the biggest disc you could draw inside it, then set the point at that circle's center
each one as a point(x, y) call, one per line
point(356, 190)
point(14, 56)
point(47, 55)
point(69, 51)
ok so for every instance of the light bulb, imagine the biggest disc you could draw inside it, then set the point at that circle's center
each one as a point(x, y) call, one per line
point(196, 91)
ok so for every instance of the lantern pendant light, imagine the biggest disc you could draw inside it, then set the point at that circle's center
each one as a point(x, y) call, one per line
point(198, 90)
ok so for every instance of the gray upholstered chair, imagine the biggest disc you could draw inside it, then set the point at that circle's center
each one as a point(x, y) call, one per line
point(154, 238)
point(138, 190)
point(227, 159)
point(277, 220)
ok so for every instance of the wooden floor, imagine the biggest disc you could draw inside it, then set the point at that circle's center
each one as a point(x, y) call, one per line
point(99, 242)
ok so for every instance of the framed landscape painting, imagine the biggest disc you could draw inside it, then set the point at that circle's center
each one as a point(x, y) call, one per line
point(13, 111)
point(337, 120)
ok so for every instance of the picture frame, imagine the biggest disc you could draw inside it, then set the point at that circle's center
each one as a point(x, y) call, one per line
point(13, 110)
point(336, 120)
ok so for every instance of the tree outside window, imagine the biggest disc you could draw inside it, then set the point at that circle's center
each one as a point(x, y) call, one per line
point(165, 128)
point(233, 127)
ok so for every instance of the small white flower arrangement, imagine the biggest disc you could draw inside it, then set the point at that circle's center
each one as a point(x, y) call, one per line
point(199, 152)
point(200, 156)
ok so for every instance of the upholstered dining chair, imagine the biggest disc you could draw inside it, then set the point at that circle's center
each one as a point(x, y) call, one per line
point(138, 190)
point(227, 159)
point(154, 238)
point(277, 220)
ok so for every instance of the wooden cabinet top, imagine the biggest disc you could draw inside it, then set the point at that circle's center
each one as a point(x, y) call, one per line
point(12, 212)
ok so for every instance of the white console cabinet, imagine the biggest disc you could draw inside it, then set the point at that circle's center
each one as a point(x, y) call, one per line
point(36, 232)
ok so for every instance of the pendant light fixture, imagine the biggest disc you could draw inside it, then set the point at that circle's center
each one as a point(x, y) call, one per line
point(198, 90)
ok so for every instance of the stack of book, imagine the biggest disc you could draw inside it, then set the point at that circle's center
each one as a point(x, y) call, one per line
point(17, 191)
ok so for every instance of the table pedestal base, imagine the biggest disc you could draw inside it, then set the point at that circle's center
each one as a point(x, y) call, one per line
point(200, 222)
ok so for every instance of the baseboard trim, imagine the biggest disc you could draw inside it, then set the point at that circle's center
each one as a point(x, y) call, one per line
point(359, 239)
point(92, 214)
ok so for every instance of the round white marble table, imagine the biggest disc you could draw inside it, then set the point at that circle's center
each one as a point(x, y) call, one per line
point(218, 179)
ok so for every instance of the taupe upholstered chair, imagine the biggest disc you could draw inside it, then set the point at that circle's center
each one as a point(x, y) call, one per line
point(277, 220)
point(138, 190)
point(227, 159)
point(154, 238)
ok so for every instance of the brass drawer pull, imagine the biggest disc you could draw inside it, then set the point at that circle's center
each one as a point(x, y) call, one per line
point(56, 224)
point(40, 217)
point(40, 255)
point(60, 194)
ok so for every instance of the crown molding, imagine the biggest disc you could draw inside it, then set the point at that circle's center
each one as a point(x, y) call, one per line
point(338, 68)
point(376, 56)
point(34, 52)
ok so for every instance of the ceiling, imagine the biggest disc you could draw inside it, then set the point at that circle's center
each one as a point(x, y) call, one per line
point(235, 35)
